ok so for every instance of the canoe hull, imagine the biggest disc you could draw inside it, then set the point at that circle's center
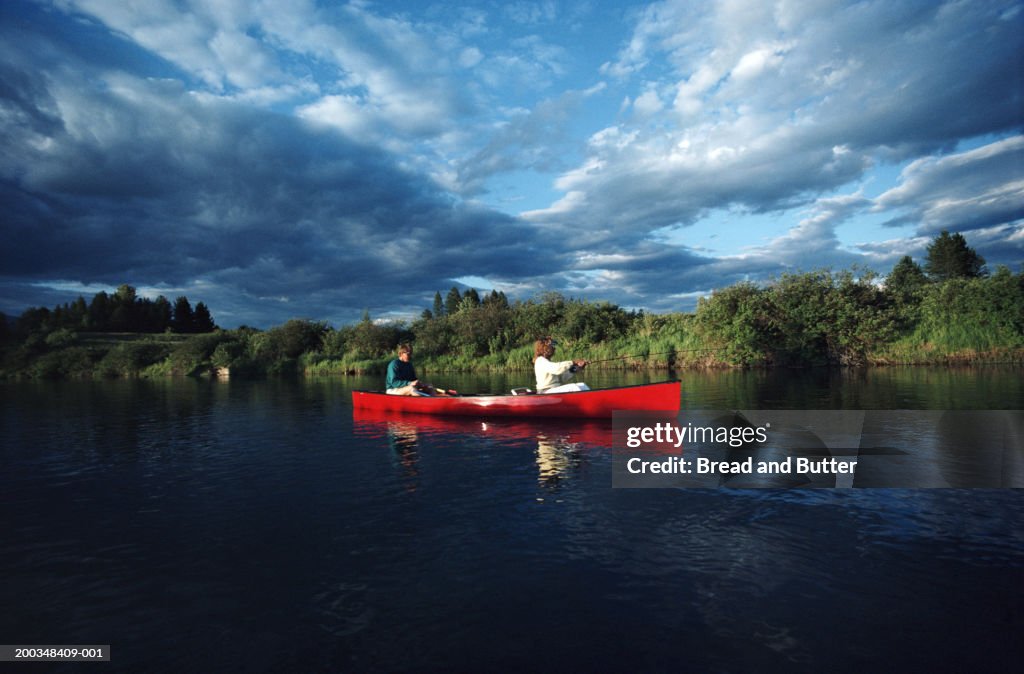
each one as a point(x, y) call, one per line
point(600, 403)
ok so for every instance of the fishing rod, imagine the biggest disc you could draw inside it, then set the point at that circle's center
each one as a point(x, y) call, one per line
point(647, 355)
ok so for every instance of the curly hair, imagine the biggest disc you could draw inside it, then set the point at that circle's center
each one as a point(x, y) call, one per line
point(545, 346)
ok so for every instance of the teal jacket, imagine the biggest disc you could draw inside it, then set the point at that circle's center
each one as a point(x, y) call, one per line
point(400, 374)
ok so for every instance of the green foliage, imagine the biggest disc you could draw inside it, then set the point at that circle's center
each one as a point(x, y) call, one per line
point(229, 354)
point(739, 320)
point(201, 319)
point(60, 338)
point(905, 286)
point(453, 301)
point(368, 340)
point(813, 318)
point(294, 338)
point(950, 257)
point(130, 358)
point(976, 314)
point(195, 354)
point(72, 362)
point(182, 317)
point(335, 343)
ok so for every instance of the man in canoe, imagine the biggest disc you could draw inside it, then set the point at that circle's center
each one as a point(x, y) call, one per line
point(554, 377)
point(402, 380)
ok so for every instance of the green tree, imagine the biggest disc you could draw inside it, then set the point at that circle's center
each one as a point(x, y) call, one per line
point(202, 321)
point(453, 301)
point(99, 311)
point(371, 340)
point(496, 298)
point(123, 317)
point(904, 285)
point(37, 320)
point(741, 318)
point(160, 314)
point(438, 305)
point(182, 321)
point(906, 277)
point(949, 256)
point(78, 314)
point(296, 337)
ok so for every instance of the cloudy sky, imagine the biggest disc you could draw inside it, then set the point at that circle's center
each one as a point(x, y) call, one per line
point(292, 158)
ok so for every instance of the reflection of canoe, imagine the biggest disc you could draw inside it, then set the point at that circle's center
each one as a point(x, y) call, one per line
point(594, 404)
point(597, 432)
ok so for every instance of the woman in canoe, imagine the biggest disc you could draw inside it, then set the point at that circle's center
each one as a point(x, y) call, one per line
point(555, 377)
point(402, 380)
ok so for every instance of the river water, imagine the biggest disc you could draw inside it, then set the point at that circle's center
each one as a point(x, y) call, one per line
point(262, 526)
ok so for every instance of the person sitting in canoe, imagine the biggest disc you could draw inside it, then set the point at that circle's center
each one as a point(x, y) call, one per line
point(402, 380)
point(554, 377)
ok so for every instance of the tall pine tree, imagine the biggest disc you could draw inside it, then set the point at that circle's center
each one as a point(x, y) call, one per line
point(453, 301)
point(949, 256)
point(182, 321)
point(202, 321)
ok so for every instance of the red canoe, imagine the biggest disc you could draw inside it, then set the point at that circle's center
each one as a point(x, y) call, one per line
point(592, 404)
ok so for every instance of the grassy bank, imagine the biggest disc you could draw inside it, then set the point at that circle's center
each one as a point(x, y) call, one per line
point(805, 320)
point(204, 355)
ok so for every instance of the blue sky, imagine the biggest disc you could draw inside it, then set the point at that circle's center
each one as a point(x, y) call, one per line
point(285, 159)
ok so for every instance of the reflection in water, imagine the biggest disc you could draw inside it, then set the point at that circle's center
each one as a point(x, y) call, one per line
point(594, 432)
point(561, 443)
point(556, 457)
point(404, 438)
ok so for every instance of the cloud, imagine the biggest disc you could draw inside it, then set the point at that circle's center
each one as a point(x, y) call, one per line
point(961, 192)
point(778, 103)
point(138, 180)
point(853, 77)
point(529, 139)
point(303, 158)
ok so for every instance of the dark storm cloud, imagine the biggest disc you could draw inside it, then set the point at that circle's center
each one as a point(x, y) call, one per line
point(112, 179)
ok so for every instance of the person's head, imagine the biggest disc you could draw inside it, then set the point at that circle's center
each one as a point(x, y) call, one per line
point(405, 352)
point(545, 346)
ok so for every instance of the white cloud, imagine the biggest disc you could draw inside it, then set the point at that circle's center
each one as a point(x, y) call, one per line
point(754, 63)
point(968, 190)
point(346, 113)
point(774, 103)
point(648, 103)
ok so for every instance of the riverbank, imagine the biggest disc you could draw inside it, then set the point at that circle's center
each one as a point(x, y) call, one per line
point(248, 354)
point(820, 318)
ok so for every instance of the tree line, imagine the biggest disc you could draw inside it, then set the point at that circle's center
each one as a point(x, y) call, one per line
point(948, 306)
point(123, 311)
point(947, 309)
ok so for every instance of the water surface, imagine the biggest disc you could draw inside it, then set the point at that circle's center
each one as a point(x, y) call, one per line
point(257, 526)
